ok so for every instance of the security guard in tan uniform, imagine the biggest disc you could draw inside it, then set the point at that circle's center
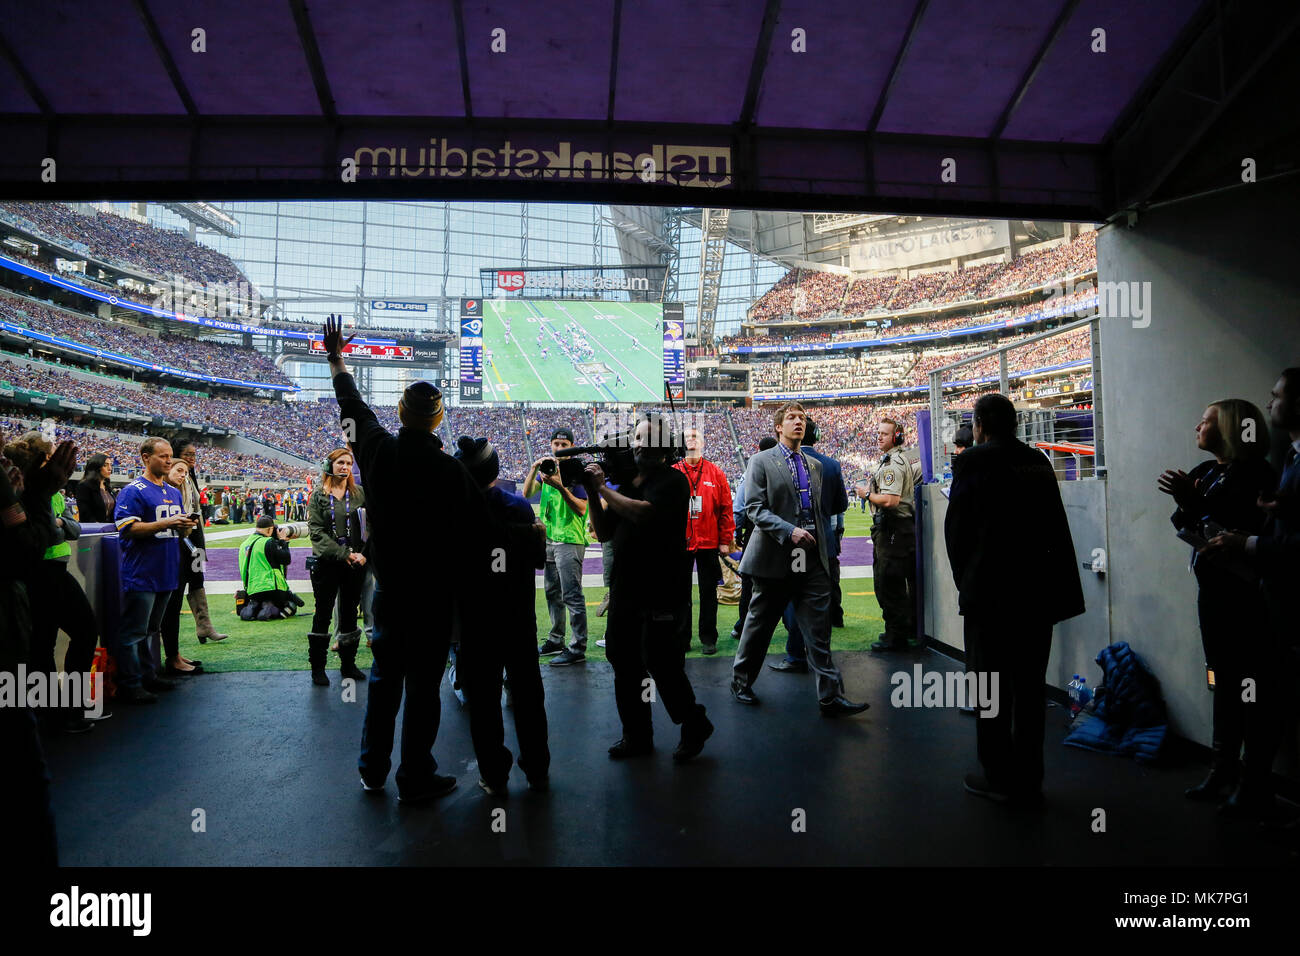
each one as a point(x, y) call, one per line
point(893, 540)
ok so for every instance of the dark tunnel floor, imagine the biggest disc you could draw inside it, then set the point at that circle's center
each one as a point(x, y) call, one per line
point(271, 760)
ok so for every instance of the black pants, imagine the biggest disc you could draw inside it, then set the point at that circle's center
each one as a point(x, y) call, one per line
point(479, 665)
point(25, 795)
point(59, 604)
point(1240, 644)
point(742, 609)
point(709, 574)
point(837, 595)
point(640, 644)
point(190, 580)
point(1010, 744)
point(410, 658)
point(331, 580)
point(894, 575)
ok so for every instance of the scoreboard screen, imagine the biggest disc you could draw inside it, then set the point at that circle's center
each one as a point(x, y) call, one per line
point(398, 353)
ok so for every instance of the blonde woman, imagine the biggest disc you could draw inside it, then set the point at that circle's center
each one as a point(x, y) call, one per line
point(338, 565)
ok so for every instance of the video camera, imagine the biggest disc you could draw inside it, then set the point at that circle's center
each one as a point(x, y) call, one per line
point(615, 457)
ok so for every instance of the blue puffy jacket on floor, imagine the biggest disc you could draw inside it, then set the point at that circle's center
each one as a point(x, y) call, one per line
point(1129, 716)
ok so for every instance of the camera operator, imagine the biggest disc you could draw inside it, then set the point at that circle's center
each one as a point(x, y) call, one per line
point(564, 511)
point(263, 557)
point(27, 528)
point(646, 519)
point(338, 565)
point(422, 584)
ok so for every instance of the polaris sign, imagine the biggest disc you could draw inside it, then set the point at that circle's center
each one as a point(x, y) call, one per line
point(386, 305)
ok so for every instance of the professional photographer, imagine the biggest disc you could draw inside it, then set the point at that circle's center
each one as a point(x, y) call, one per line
point(263, 557)
point(564, 511)
point(337, 565)
point(646, 519)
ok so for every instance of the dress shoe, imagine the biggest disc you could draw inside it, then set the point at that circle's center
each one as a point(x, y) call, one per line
point(979, 785)
point(626, 748)
point(708, 650)
point(156, 684)
point(1249, 804)
point(885, 645)
point(693, 738)
point(794, 667)
point(1214, 787)
point(842, 707)
point(437, 786)
point(136, 695)
point(743, 695)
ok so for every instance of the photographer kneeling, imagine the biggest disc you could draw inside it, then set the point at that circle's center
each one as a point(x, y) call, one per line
point(337, 565)
point(649, 587)
point(263, 558)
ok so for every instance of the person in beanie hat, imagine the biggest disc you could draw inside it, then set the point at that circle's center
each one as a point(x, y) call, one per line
point(521, 540)
point(420, 590)
point(334, 523)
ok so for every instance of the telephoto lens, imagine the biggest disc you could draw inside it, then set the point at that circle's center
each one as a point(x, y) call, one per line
point(296, 529)
point(548, 466)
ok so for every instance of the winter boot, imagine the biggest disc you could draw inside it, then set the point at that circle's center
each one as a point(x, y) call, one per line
point(347, 645)
point(198, 601)
point(317, 645)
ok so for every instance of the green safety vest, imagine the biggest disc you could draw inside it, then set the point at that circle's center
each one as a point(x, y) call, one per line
point(261, 577)
point(63, 549)
point(562, 522)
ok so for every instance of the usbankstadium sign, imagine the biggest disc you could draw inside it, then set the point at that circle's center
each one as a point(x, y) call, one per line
point(516, 280)
point(694, 164)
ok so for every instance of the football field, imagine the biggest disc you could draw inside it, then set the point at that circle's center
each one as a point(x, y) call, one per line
point(572, 351)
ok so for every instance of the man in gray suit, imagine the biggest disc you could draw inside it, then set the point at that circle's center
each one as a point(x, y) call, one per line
point(789, 560)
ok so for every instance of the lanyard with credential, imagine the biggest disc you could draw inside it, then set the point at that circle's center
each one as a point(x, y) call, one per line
point(347, 516)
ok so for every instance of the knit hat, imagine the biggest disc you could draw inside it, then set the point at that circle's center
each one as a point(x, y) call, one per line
point(479, 458)
point(423, 400)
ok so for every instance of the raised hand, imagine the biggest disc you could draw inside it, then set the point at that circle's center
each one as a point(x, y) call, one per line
point(333, 338)
point(54, 474)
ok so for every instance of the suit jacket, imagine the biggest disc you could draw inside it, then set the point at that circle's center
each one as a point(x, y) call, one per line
point(835, 498)
point(1277, 551)
point(772, 506)
point(1008, 538)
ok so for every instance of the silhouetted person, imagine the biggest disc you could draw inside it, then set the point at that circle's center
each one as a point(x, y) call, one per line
point(1017, 575)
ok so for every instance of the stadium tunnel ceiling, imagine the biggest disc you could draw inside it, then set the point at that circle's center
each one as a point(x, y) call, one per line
point(783, 104)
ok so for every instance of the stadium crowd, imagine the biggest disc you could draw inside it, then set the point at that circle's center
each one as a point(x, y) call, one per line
point(809, 294)
point(133, 245)
point(176, 351)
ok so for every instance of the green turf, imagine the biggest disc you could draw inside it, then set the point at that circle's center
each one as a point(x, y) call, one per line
point(518, 373)
point(282, 645)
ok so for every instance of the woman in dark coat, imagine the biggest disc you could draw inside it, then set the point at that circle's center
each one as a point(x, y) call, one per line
point(95, 498)
point(1221, 493)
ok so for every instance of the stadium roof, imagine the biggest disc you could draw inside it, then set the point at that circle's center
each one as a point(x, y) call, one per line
point(807, 104)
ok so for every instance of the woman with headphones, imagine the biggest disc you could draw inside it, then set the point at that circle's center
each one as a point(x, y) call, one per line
point(1221, 493)
point(337, 565)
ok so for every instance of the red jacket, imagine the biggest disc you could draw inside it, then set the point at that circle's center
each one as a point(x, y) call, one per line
point(715, 525)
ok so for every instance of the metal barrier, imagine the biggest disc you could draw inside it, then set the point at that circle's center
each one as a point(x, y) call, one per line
point(1072, 435)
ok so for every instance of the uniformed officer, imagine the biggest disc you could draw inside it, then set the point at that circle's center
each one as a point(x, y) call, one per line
point(893, 540)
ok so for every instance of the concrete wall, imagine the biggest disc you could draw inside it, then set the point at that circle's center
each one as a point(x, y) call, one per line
point(1222, 273)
